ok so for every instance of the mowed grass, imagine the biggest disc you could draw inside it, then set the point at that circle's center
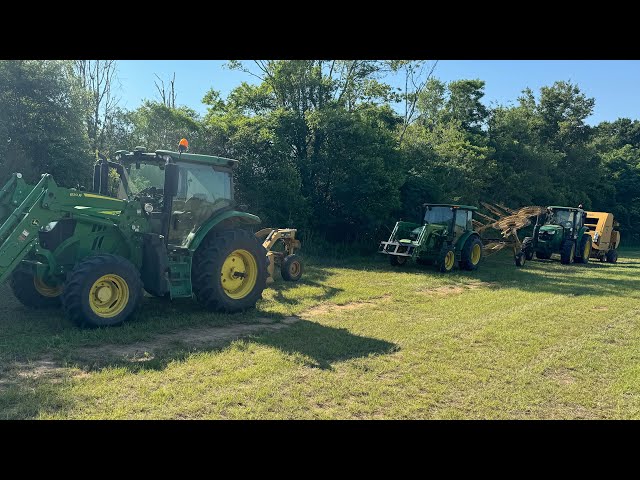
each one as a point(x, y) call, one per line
point(366, 341)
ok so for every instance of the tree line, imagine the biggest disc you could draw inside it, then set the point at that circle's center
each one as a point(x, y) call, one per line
point(332, 147)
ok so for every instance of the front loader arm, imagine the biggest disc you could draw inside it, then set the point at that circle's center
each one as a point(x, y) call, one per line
point(20, 229)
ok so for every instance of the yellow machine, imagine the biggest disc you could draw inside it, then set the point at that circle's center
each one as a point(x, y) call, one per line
point(605, 239)
point(281, 245)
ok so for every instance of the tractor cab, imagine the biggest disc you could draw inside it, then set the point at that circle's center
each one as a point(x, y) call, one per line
point(456, 219)
point(570, 219)
point(177, 191)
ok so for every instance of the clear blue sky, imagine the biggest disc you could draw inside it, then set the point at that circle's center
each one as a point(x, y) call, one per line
point(615, 84)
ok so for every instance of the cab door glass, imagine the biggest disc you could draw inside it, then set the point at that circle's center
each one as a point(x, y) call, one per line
point(202, 191)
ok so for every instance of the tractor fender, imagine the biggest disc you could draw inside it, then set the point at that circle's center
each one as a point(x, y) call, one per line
point(581, 232)
point(227, 219)
point(463, 239)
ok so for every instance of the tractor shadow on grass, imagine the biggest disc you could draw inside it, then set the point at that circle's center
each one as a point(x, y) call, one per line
point(312, 344)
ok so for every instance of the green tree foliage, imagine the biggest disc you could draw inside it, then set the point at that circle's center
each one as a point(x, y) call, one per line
point(332, 147)
point(41, 122)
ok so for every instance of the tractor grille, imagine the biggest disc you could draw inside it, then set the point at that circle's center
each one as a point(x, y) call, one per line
point(546, 236)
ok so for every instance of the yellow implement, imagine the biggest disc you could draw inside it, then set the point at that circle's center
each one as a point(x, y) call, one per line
point(281, 245)
point(604, 238)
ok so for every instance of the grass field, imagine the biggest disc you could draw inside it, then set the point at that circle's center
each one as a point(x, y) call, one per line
point(355, 339)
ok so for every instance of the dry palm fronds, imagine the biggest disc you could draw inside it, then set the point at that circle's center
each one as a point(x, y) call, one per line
point(508, 223)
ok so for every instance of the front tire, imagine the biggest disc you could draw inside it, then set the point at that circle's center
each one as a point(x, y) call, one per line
point(527, 247)
point(520, 259)
point(471, 254)
point(103, 290)
point(567, 252)
point(397, 261)
point(612, 256)
point(33, 292)
point(229, 271)
point(543, 255)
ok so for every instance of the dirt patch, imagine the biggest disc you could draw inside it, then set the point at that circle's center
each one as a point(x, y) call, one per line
point(601, 308)
point(563, 376)
point(44, 368)
point(144, 351)
point(331, 308)
point(476, 285)
point(449, 290)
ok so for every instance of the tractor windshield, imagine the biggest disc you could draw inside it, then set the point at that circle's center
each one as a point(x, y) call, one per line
point(146, 178)
point(561, 217)
point(441, 215)
point(202, 191)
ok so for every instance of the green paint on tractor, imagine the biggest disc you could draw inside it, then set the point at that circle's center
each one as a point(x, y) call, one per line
point(560, 230)
point(445, 238)
point(168, 225)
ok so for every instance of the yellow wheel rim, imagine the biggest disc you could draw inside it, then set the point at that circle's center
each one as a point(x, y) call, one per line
point(449, 260)
point(294, 268)
point(239, 274)
point(476, 252)
point(45, 290)
point(109, 296)
point(587, 250)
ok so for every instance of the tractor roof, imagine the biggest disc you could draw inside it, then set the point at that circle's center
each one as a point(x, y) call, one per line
point(160, 155)
point(556, 207)
point(461, 207)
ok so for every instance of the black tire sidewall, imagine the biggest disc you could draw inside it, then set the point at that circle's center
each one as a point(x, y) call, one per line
point(565, 252)
point(443, 256)
point(208, 285)
point(466, 262)
point(397, 261)
point(74, 298)
point(25, 291)
point(286, 265)
point(583, 241)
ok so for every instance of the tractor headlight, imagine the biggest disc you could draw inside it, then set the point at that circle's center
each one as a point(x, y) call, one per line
point(50, 226)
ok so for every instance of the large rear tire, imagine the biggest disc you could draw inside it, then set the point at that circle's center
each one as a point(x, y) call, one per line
point(567, 252)
point(33, 292)
point(471, 253)
point(584, 250)
point(612, 256)
point(102, 291)
point(229, 271)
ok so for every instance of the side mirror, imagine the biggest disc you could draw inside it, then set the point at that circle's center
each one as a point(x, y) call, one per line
point(171, 176)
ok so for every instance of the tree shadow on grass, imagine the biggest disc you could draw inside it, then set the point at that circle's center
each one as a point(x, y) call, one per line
point(553, 277)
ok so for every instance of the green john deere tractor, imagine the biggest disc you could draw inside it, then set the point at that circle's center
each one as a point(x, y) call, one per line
point(164, 222)
point(445, 238)
point(560, 230)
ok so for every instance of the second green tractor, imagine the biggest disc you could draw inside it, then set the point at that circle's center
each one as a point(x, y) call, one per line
point(445, 238)
point(560, 230)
